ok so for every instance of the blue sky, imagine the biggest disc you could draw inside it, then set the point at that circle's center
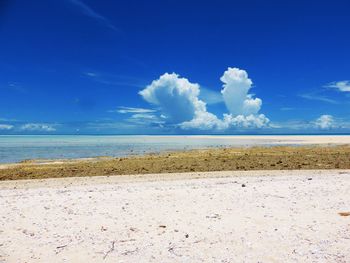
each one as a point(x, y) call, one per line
point(174, 67)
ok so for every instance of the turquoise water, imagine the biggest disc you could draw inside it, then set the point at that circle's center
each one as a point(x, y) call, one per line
point(15, 148)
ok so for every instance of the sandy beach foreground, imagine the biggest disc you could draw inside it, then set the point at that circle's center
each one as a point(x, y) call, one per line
point(241, 216)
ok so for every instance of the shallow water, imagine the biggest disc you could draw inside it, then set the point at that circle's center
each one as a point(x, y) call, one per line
point(15, 148)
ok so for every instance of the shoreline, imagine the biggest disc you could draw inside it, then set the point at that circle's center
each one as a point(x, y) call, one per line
point(327, 156)
point(143, 145)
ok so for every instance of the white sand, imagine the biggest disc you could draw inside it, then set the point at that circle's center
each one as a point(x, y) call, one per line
point(279, 216)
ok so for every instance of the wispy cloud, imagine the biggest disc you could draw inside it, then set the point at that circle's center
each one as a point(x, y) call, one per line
point(287, 109)
point(124, 127)
point(325, 122)
point(146, 119)
point(87, 10)
point(91, 74)
point(8, 120)
point(210, 96)
point(13, 86)
point(124, 110)
point(317, 97)
point(43, 127)
point(343, 86)
point(113, 80)
point(6, 127)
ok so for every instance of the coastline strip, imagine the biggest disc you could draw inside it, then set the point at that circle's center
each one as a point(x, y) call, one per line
point(218, 159)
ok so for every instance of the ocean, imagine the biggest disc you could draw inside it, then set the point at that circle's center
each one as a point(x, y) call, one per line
point(16, 148)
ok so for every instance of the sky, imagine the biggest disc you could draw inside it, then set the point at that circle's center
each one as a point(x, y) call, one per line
point(174, 67)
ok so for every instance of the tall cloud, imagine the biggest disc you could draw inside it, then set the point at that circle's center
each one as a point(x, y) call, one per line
point(236, 93)
point(176, 97)
point(178, 101)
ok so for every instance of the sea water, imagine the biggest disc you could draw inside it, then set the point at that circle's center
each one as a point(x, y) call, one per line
point(16, 148)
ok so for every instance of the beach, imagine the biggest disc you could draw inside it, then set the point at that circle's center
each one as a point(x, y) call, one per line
point(241, 216)
point(286, 201)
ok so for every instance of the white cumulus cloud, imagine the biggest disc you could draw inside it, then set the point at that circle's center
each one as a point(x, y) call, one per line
point(209, 121)
point(176, 97)
point(38, 127)
point(203, 121)
point(246, 121)
point(236, 93)
point(343, 86)
point(179, 103)
point(325, 122)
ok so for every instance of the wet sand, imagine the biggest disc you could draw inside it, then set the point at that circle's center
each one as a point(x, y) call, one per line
point(242, 216)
